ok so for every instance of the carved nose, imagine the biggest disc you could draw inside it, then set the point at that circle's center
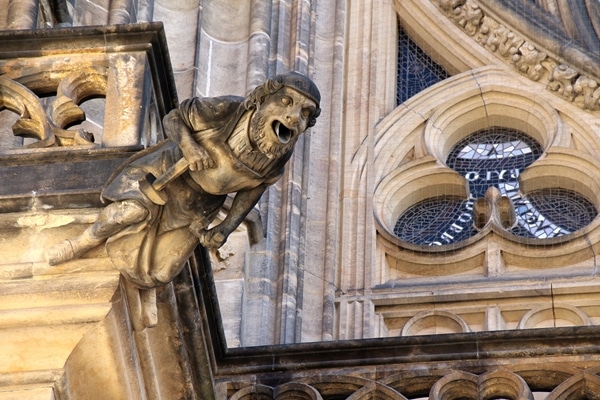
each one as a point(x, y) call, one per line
point(291, 120)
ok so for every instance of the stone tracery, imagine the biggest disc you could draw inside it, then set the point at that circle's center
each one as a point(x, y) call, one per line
point(495, 157)
point(448, 125)
point(32, 120)
point(50, 128)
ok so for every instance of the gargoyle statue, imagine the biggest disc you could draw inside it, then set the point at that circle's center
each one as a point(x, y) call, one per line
point(163, 199)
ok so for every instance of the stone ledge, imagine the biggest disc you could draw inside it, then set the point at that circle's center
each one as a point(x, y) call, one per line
point(57, 315)
point(29, 385)
point(44, 179)
point(41, 270)
point(61, 290)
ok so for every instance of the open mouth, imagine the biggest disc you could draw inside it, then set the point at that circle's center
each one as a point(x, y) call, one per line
point(283, 132)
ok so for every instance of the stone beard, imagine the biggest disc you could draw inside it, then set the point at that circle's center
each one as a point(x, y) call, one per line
point(273, 141)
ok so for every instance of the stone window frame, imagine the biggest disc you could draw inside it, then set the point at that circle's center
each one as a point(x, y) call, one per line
point(414, 140)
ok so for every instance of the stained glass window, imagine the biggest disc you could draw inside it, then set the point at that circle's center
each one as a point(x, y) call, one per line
point(416, 70)
point(436, 221)
point(495, 157)
point(551, 213)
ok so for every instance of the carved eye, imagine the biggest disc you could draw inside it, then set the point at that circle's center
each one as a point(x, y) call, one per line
point(308, 111)
point(286, 101)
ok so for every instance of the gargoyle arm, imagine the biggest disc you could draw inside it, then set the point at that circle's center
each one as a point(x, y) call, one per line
point(243, 202)
point(181, 134)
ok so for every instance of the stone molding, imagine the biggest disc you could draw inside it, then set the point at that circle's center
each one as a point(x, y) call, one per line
point(563, 74)
point(485, 364)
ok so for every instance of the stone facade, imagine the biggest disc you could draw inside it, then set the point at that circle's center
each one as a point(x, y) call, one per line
point(314, 296)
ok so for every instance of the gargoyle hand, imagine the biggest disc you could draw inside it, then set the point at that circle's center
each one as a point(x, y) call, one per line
point(197, 157)
point(210, 238)
point(213, 238)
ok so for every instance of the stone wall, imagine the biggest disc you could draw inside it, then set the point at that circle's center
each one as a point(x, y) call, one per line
point(317, 260)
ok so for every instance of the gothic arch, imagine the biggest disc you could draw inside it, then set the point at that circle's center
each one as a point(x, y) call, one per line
point(491, 385)
point(585, 385)
point(439, 321)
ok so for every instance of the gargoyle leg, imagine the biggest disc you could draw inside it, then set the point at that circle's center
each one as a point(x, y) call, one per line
point(111, 220)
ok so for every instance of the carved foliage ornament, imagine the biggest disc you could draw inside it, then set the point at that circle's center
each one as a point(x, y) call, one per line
point(527, 58)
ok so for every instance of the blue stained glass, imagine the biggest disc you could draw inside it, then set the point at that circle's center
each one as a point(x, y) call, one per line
point(495, 157)
point(416, 70)
point(552, 212)
point(437, 221)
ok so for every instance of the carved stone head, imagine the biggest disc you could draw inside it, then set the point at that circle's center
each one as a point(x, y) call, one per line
point(285, 106)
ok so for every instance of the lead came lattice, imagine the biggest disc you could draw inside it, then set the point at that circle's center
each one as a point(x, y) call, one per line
point(495, 156)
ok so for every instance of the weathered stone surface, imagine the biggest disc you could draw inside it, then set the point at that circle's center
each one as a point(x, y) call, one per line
point(325, 270)
point(163, 201)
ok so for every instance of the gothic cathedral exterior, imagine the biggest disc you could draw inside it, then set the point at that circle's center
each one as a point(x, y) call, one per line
point(433, 235)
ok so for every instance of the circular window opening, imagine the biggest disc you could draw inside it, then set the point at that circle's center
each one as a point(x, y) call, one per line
point(494, 157)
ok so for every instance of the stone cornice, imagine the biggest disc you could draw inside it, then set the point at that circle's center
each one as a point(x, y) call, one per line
point(392, 364)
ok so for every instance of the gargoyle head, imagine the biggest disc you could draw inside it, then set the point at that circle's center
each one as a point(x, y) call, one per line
point(284, 108)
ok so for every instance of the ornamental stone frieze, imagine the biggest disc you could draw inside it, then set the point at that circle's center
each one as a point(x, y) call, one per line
point(531, 59)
